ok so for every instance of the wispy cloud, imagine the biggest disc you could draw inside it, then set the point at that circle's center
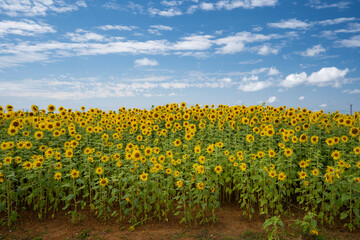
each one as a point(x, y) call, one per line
point(314, 51)
point(37, 7)
point(290, 24)
point(317, 4)
point(156, 29)
point(352, 42)
point(24, 28)
point(145, 62)
point(117, 27)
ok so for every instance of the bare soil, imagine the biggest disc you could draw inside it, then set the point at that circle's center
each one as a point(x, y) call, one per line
point(231, 224)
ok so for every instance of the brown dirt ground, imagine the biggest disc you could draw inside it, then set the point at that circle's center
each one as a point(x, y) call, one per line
point(231, 225)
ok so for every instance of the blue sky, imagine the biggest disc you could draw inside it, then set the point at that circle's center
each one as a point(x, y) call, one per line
point(109, 54)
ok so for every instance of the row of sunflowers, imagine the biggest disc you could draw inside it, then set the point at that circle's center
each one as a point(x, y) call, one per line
point(137, 164)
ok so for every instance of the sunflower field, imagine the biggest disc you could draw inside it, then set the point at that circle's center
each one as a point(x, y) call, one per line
point(136, 165)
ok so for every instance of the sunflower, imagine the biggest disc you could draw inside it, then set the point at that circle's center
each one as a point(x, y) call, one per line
point(243, 166)
point(39, 135)
point(202, 159)
point(329, 141)
point(303, 138)
point(250, 138)
point(357, 150)
point(288, 152)
point(200, 186)
point(302, 164)
point(314, 139)
point(176, 173)
point(358, 164)
point(272, 173)
point(57, 176)
point(271, 153)
point(315, 171)
point(336, 155)
point(281, 176)
point(197, 149)
point(99, 170)
point(69, 153)
point(210, 148)
point(7, 160)
point(344, 138)
point(354, 131)
point(144, 176)
point(74, 173)
point(136, 155)
point(51, 108)
point(218, 169)
point(329, 177)
point(27, 165)
point(103, 182)
point(104, 158)
point(302, 175)
point(179, 184)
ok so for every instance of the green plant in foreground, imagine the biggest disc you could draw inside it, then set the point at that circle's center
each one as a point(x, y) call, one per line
point(272, 225)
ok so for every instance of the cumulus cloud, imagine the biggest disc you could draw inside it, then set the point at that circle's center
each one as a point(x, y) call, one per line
point(327, 76)
point(24, 28)
point(146, 62)
point(301, 98)
point(272, 99)
point(315, 50)
point(267, 50)
point(273, 71)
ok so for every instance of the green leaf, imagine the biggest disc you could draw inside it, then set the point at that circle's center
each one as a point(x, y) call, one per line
point(343, 215)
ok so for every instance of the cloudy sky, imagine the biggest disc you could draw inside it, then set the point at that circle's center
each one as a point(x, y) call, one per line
point(109, 54)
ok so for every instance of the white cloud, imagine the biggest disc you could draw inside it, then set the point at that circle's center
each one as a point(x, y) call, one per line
point(272, 99)
point(267, 50)
point(171, 3)
point(232, 4)
point(315, 50)
point(207, 6)
point(321, 5)
point(171, 12)
point(294, 79)
point(146, 62)
point(335, 21)
point(273, 71)
point(194, 42)
point(301, 98)
point(352, 42)
point(24, 28)
point(84, 36)
point(353, 91)
point(290, 24)
point(117, 27)
point(155, 29)
point(254, 61)
point(254, 86)
point(236, 43)
point(322, 105)
point(250, 78)
point(327, 76)
point(37, 7)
